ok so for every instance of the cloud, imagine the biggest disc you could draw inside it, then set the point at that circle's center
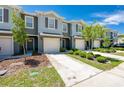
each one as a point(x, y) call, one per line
point(111, 19)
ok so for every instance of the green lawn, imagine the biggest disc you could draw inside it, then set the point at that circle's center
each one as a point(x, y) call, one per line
point(96, 64)
point(47, 77)
point(119, 53)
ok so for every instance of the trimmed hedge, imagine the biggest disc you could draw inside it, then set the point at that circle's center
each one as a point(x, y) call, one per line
point(83, 54)
point(89, 56)
point(97, 55)
point(105, 50)
point(101, 59)
point(77, 52)
point(121, 49)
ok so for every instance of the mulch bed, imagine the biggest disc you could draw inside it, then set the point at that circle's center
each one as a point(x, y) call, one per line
point(12, 65)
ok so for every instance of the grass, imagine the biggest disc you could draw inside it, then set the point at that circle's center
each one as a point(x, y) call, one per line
point(119, 53)
point(46, 77)
point(96, 64)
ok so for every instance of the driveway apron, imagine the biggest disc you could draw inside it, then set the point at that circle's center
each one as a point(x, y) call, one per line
point(72, 71)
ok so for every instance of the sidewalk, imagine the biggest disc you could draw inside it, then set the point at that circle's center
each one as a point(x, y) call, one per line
point(112, 78)
point(109, 55)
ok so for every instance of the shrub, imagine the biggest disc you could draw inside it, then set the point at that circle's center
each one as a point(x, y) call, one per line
point(89, 56)
point(77, 52)
point(75, 49)
point(71, 52)
point(83, 54)
point(105, 50)
point(121, 49)
point(91, 53)
point(101, 59)
point(97, 55)
point(62, 49)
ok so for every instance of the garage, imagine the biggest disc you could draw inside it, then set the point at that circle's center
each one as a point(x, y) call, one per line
point(51, 45)
point(6, 45)
point(96, 43)
point(79, 44)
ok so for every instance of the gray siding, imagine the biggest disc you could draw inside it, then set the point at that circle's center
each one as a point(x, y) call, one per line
point(42, 28)
point(6, 26)
point(31, 31)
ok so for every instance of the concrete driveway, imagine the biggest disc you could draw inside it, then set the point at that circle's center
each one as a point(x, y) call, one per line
point(72, 71)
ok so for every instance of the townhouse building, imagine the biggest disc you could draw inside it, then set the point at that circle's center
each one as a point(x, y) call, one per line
point(47, 32)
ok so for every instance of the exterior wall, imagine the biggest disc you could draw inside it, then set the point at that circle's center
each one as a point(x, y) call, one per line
point(73, 32)
point(120, 40)
point(6, 26)
point(43, 29)
point(18, 49)
point(33, 31)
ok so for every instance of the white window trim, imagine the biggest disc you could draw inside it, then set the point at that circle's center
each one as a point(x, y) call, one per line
point(78, 28)
point(2, 15)
point(48, 22)
point(32, 22)
point(66, 27)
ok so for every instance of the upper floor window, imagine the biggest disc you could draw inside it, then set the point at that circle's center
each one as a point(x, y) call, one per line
point(1, 14)
point(4, 15)
point(78, 28)
point(51, 23)
point(29, 22)
point(65, 27)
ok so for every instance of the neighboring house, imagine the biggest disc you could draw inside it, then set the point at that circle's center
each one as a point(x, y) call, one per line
point(113, 36)
point(120, 39)
point(47, 32)
point(6, 40)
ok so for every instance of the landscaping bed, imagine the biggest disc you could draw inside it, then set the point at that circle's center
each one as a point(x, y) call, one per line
point(119, 48)
point(105, 50)
point(35, 71)
point(96, 60)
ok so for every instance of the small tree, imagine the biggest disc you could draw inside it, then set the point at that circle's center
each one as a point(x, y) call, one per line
point(106, 42)
point(18, 30)
point(86, 34)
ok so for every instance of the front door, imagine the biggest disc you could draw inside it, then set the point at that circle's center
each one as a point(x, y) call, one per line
point(63, 43)
point(30, 43)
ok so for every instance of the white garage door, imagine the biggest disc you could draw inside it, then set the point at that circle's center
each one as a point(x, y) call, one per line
point(51, 45)
point(79, 44)
point(96, 43)
point(6, 46)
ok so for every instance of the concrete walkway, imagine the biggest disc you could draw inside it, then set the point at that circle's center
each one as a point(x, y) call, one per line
point(110, 55)
point(72, 71)
point(112, 78)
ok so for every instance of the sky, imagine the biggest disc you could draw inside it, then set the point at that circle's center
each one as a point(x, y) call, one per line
point(112, 16)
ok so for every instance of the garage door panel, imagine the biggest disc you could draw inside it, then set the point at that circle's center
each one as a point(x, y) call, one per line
point(6, 46)
point(79, 44)
point(51, 45)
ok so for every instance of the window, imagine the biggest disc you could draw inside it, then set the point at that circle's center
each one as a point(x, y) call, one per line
point(29, 22)
point(1, 14)
point(78, 28)
point(51, 23)
point(64, 27)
